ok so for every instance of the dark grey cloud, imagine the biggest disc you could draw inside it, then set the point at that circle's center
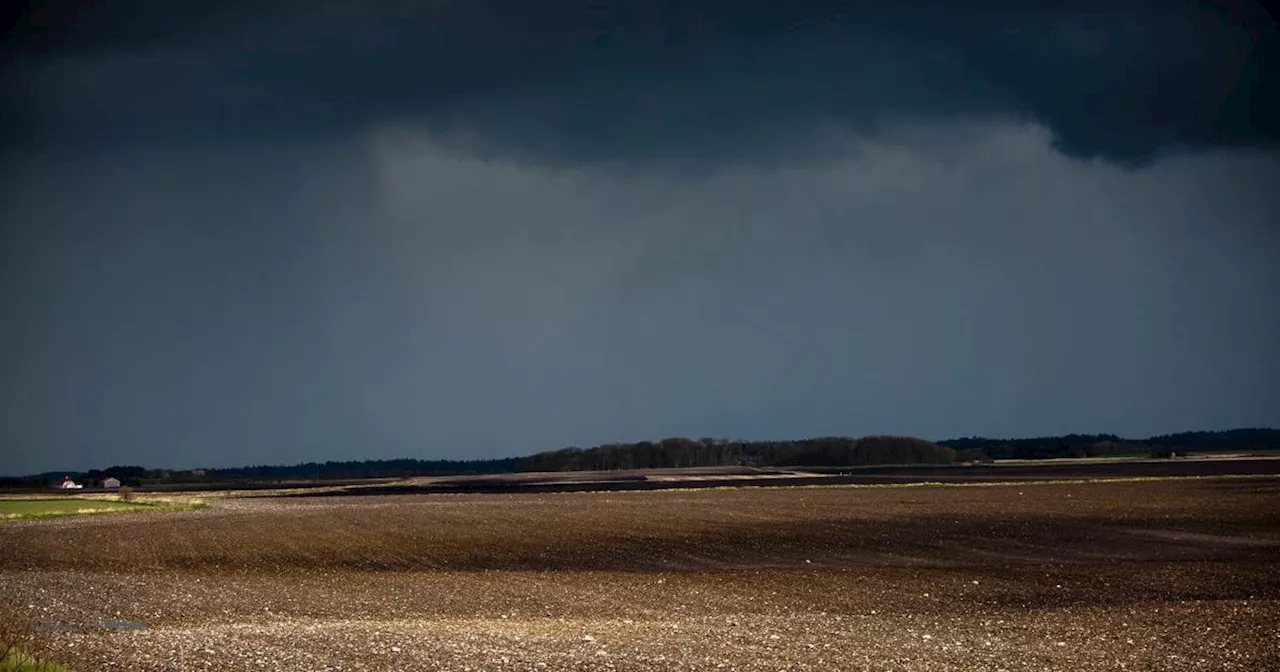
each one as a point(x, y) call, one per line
point(385, 296)
point(239, 232)
point(624, 80)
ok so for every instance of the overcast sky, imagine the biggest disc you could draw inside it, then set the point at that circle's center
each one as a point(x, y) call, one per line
point(243, 233)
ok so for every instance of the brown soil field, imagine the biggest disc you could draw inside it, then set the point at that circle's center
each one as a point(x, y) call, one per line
point(1143, 575)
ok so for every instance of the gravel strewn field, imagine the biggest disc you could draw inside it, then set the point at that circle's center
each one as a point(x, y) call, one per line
point(1148, 575)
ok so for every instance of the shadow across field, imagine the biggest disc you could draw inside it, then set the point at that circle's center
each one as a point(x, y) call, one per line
point(932, 543)
point(811, 476)
point(689, 531)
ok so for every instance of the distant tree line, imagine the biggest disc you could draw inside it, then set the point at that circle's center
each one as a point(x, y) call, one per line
point(1229, 440)
point(707, 452)
point(354, 469)
point(703, 452)
point(1110, 445)
point(401, 468)
point(128, 475)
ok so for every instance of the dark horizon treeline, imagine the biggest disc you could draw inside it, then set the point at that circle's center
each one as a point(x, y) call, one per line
point(685, 452)
point(331, 471)
point(352, 469)
point(677, 452)
point(1110, 445)
point(872, 450)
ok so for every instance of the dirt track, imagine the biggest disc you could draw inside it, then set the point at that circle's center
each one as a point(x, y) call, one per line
point(1154, 575)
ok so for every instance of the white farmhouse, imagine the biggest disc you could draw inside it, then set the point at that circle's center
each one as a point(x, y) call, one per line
point(68, 484)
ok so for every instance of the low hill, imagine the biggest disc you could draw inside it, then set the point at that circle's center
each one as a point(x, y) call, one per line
point(683, 452)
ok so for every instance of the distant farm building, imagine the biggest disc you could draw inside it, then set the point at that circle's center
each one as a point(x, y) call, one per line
point(111, 482)
point(197, 472)
point(68, 484)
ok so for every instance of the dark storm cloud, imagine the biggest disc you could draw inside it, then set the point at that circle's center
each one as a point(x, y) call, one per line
point(625, 80)
point(386, 297)
point(238, 232)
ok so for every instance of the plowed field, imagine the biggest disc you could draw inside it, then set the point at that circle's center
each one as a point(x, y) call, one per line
point(1158, 575)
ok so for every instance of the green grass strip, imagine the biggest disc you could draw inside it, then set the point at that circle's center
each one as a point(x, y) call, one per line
point(14, 660)
point(32, 509)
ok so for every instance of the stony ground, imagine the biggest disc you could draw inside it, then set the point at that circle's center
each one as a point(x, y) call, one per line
point(1173, 575)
